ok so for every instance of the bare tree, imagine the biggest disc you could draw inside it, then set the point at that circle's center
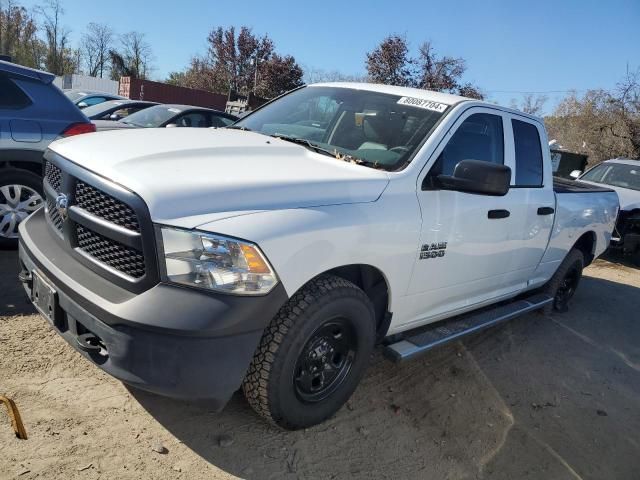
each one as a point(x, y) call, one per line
point(60, 58)
point(137, 54)
point(317, 75)
point(438, 73)
point(531, 103)
point(96, 43)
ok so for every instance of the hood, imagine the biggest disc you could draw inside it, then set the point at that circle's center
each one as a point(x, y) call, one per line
point(629, 198)
point(191, 176)
point(103, 125)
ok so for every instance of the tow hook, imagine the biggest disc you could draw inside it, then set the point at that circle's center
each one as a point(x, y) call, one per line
point(91, 343)
point(14, 415)
point(25, 277)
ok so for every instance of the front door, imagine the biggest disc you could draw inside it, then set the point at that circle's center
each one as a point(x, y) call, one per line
point(467, 240)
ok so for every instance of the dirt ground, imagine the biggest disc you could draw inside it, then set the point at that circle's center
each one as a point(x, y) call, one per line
point(543, 398)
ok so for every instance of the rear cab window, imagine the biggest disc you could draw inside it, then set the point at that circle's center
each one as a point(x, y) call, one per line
point(12, 97)
point(528, 152)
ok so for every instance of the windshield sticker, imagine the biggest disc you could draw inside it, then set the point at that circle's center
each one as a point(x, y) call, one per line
point(422, 103)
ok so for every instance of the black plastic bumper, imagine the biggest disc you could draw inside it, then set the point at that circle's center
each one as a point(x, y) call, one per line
point(175, 341)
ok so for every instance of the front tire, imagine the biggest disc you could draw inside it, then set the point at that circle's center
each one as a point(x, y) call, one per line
point(312, 355)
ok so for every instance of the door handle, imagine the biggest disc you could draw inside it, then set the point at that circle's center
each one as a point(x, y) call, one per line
point(546, 211)
point(493, 214)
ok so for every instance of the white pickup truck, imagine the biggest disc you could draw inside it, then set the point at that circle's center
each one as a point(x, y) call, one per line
point(273, 255)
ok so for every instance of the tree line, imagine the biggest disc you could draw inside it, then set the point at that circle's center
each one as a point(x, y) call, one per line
point(600, 123)
point(39, 39)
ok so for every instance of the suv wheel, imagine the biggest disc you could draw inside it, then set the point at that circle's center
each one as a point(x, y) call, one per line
point(20, 195)
point(312, 355)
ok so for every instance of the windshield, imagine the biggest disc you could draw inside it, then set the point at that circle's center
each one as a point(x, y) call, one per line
point(615, 174)
point(379, 129)
point(152, 117)
point(100, 108)
point(73, 96)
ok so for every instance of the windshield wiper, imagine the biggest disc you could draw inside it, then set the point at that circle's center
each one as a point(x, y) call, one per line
point(345, 157)
point(306, 143)
point(239, 127)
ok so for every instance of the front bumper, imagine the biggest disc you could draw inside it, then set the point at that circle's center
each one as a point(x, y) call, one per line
point(171, 340)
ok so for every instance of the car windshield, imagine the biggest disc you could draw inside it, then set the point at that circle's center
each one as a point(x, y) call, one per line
point(101, 108)
point(73, 96)
point(371, 128)
point(615, 174)
point(152, 117)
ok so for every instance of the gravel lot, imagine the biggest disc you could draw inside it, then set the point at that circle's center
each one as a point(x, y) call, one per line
point(543, 398)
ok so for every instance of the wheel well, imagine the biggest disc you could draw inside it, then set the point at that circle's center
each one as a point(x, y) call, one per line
point(374, 285)
point(33, 167)
point(586, 244)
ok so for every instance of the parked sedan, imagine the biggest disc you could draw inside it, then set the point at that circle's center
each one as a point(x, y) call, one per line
point(623, 176)
point(160, 116)
point(85, 98)
point(116, 109)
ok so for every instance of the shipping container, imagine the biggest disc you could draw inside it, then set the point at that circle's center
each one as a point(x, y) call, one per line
point(85, 82)
point(138, 89)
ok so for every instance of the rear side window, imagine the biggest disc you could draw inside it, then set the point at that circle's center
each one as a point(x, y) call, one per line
point(12, 96)
point(528, 154)
point(479, 137)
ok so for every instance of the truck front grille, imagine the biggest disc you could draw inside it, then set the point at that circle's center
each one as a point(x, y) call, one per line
point(105, 206)
point(110, 252)
point(54, 216)
point(106, 227)
point(53, 175)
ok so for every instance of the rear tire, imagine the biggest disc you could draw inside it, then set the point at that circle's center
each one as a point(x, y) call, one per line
point(564, 282)
point(312, 355)
point(17, 187)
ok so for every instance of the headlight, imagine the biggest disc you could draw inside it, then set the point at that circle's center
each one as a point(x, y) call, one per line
point(215, 262)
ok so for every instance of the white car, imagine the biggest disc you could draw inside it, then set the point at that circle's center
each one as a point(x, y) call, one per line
point(276, 253)
point(623, 176)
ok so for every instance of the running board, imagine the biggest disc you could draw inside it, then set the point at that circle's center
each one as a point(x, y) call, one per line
point(445, 331)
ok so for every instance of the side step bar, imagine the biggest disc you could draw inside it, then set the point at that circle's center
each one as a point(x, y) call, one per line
point(439, 333)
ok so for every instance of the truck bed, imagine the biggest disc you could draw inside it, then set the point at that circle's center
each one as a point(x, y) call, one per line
point(561, 185)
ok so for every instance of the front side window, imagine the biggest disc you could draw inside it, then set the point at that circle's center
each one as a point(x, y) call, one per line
point(12, 96)
point(479, 137)
point(379, 130)
point(528, 154)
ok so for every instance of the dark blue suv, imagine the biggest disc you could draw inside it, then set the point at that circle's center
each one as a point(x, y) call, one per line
point(33, 113)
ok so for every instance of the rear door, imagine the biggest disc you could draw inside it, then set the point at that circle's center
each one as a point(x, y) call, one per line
point(467, 240)
point(531, 194)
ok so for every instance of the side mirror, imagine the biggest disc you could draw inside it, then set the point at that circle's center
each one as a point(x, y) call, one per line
point(171, 125)
point(475, 176)
point(114, 116)
point(83, 105)
point(575, 174)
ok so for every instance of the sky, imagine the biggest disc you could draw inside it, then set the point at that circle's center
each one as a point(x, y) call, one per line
point(510, 46)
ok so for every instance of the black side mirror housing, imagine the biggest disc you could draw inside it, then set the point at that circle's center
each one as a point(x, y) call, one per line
point(476, 176)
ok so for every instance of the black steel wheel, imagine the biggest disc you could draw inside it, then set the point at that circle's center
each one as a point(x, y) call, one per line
point(312, 355)
point(564, 283)
point(325, 360)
